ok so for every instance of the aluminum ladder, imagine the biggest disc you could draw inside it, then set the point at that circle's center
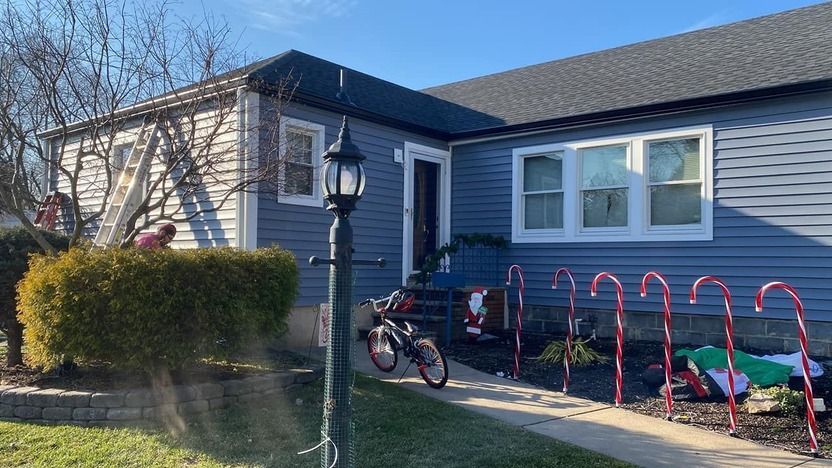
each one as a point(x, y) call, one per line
point(130, 187)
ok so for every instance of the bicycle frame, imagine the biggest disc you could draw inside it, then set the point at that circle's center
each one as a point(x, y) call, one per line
point(420, 350)
point(405, 340)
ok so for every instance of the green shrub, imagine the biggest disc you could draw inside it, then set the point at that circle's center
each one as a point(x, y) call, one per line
point(790, 401)
point(16, 244)
point(582, 354)
point(148, 309)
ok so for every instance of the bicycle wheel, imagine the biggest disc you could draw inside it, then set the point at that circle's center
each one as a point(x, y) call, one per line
point(381, 351)
point(433, 365)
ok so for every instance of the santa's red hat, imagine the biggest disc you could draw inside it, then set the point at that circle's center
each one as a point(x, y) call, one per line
point(479, 290)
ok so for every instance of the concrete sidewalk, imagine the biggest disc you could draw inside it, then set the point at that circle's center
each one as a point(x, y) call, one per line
point(628, 436)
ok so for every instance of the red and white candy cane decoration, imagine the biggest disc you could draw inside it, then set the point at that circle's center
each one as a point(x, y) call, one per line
point(619, 332)
point(804, 347)
point(729, 344)
point(521, 291)
point(555, 277)
point(668, 394)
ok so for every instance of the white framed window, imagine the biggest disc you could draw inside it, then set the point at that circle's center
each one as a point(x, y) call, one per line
point(674, 180)
point(639, 187)
point(301, 147)
point(121, 153)
point(604, 182)
point(542, 191)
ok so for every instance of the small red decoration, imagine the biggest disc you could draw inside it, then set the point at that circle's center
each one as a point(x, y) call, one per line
point(476, 313)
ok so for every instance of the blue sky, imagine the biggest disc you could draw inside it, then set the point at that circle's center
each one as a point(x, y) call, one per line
point(421, 43)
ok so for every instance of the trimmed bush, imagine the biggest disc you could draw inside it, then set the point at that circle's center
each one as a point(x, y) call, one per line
point(149, 309)
point(16, 244)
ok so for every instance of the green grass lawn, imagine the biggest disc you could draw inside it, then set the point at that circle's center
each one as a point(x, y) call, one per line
point(394, 428)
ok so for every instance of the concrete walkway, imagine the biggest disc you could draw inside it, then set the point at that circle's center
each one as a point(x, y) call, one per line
point(628, 436)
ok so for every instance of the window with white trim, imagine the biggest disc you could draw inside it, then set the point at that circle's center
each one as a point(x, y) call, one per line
point(641, 187)
point(121, 153)
point(604, 186)
point(301, 147)
point(542, 197)
point(674, 179)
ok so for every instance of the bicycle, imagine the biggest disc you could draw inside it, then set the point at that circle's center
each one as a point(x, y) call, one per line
point(384, 341)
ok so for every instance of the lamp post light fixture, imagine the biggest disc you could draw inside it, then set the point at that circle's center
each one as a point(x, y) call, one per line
point(342, 181)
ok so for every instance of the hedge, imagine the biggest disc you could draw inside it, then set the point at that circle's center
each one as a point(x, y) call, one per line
point(16, 244)
point(149, 309)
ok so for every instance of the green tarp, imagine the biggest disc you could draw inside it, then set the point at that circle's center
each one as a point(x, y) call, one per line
point(761, 372)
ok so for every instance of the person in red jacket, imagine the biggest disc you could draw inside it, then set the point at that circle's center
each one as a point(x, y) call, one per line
point(476, 313)
point(158, 240)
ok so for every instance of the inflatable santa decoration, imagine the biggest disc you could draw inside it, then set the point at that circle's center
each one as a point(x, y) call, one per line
point(476, 313)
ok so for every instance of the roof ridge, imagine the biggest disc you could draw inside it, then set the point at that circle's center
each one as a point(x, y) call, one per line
point(352, 70)
point(708, 30)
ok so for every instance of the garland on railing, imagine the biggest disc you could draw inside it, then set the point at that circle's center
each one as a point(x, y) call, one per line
point(434, 261)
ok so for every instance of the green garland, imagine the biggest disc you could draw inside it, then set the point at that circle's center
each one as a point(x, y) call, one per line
point(432, 262)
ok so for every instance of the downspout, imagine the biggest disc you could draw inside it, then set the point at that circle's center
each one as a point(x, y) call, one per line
point(46, 150)
point(252, 162)
point(240, 230)
point(248, 105)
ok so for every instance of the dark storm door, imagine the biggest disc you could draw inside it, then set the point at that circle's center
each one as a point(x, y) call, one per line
point(426, 210)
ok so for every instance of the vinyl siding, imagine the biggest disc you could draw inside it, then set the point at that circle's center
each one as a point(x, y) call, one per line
point(212, 229)
point(377, 223)
point(772, 214)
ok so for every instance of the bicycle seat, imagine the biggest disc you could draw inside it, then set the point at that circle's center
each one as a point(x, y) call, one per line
point(410, 327)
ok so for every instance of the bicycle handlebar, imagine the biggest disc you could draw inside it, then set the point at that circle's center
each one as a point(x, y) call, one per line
point(375, 302)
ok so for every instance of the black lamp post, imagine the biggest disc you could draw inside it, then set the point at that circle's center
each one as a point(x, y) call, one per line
point(342, 181)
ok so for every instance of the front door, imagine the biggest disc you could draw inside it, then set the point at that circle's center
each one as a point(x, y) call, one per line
point(426, 205)
point(425, 210)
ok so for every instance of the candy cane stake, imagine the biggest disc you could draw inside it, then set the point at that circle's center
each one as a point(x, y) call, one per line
point(668, 394)
point(521, 291)
point(804, 347)
point(571, 319)
point(619, 332)
point(729, 344)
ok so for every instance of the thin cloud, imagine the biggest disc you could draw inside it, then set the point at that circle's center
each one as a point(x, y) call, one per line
point(715, 19)
point(287, 16)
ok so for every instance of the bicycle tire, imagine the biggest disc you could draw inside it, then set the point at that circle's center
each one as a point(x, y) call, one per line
point(432, 364)
point(383, 356)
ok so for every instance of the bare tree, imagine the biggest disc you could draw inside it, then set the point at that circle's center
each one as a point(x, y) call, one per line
point(87, 74)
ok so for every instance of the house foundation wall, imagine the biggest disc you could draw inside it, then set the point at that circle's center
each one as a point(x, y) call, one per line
point(303, 327)
point(755, 334)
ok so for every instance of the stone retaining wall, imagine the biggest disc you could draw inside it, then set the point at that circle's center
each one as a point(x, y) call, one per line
point(774, 335)
point(58, 406)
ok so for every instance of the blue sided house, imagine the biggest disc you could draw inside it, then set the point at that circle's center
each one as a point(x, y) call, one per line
point(704, 153)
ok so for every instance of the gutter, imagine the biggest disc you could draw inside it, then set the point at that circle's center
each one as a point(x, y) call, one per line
point(171, 99)
point(484, 134)
point(632, 113)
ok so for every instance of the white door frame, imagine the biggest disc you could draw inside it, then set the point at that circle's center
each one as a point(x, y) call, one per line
point(414, 151)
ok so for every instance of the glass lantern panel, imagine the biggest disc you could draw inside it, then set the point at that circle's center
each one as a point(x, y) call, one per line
point(331, 186)
point(349, 177)
point(363, 180)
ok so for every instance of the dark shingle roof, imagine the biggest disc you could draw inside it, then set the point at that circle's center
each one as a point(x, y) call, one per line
point(320, 79)
point(776, 51)
point(781, 49)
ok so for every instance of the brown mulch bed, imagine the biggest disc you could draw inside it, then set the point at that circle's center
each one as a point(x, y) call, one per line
point(596, 382)
point(99, 376)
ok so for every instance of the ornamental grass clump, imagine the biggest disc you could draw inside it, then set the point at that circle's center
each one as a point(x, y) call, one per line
point(582, 353)
point(152, 309)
